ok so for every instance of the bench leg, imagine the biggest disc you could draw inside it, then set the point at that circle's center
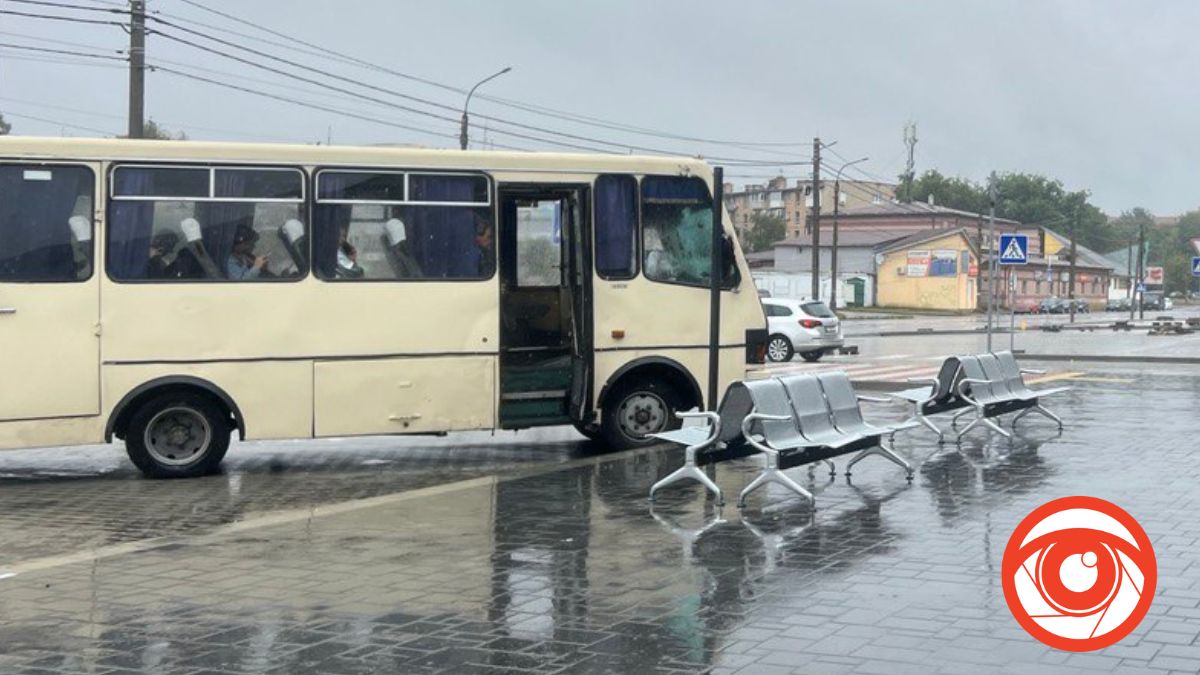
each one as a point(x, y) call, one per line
point(772, 474)
point(832, 467)
point(689, 470)
point(932, 427)
point(883, 451)
point(995, 427)
point(954, 420)
point(1041, 411)
point(975, 422)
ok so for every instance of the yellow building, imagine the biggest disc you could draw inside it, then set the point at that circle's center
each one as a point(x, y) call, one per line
point(935, 269)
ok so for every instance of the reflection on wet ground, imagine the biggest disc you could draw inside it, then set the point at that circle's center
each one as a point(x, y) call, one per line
point(568, 569)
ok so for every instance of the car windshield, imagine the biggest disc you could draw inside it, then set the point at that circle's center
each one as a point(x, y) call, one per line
point(817, 309)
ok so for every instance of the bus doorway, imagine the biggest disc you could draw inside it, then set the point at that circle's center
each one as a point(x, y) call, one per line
point(545, 308)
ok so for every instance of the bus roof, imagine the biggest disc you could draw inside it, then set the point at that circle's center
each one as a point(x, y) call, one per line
point(119, 149)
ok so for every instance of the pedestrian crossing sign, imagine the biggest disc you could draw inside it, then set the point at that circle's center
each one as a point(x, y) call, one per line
point(1014, 249)
point(1196, 266)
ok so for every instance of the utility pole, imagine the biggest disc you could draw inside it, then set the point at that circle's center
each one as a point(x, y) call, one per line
point(137, 68)
point(816, 220)
point(1071, 269)
point(1141, 270)
point(991, 256)
point(464, 124)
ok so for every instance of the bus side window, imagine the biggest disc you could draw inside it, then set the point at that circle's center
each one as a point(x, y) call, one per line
point(398, 226)
point(206, 223)
point(45, 223)
point(616, 226)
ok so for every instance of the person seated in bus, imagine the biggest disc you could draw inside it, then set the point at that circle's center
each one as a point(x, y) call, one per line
point(395, 241)
point(162, 246)
point(242, 264)
point(485, 240)
point(347, 256)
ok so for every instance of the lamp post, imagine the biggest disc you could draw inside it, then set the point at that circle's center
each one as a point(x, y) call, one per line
point(833, 252)
point(462, 132)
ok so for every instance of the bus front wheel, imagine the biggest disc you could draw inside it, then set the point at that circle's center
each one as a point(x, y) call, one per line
point(178, 435)
point(636, 410)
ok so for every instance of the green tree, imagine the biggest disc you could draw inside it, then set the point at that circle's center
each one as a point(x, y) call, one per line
point(954, 193)
point(5, 127)
point(765, 230)
point(154, 131)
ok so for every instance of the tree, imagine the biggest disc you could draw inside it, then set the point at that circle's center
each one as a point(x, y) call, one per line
point(5, 127)
point(154, 131)
point(765, 230)
point(954, 193)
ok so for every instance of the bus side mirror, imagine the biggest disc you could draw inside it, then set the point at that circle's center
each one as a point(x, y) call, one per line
point(730, 275)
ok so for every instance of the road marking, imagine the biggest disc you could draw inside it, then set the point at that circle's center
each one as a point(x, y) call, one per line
point(1056, 377)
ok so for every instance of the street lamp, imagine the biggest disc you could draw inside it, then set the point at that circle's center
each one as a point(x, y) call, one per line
point(462, 132)
point(833, 252)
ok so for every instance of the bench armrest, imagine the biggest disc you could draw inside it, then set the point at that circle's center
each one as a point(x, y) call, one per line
point(754, 417)
point(932, 381)
point(1032, 371)
point(873, 399)
point(962, 393)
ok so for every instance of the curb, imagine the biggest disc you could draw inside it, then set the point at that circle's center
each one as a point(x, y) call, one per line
point(1113, 358)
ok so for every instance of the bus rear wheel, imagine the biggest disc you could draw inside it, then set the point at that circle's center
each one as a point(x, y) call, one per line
point(178, 435)
point(636, 410)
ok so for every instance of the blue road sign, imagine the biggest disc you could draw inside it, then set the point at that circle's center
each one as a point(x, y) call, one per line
point(1014, 249)
point(1141, 288)
point(1196, 265)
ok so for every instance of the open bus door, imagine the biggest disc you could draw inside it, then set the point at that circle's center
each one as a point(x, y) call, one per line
point(545, 307)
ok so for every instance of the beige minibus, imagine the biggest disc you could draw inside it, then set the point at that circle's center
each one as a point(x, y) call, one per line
point(173, 293)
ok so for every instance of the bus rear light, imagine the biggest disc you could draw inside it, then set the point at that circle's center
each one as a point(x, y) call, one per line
point(810, 323)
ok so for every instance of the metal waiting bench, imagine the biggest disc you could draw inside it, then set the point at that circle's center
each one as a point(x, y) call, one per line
point(793, 420)
point(988, 385)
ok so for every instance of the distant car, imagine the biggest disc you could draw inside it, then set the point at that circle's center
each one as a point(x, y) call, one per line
point(1027, 306)
point(1118, 305)
point(1156, 301)
point(1052, 306)
point(1081, 306)
point(804, 327)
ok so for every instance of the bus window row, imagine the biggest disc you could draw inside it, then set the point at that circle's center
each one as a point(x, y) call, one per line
point(203, 223)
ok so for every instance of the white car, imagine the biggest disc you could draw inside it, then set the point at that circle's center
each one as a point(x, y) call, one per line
point(804, 327)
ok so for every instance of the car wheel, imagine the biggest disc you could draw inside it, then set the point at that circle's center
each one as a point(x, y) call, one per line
point(812, 357)
point(637, 409)
point(178, 435)
point(779, 348)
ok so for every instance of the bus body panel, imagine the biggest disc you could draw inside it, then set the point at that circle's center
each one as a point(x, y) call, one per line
point(51, 432)
point(405, 395)
point(274, 397)
point(190, 322)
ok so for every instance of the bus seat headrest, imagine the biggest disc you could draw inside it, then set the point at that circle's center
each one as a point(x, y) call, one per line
point(293, 229)
point(191, 230)
point(396, 231)
point(81, 227)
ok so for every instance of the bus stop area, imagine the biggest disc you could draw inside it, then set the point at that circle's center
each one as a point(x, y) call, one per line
point(539, 553)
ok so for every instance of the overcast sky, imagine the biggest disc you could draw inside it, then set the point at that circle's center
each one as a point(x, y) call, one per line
point(1101, 95)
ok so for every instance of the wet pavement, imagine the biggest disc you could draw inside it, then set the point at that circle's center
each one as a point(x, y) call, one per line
point(373, 557)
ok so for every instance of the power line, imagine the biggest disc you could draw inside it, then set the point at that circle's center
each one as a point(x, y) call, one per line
point(325, 52)
point(66, 52)
point(52, 17)
point(59, 123)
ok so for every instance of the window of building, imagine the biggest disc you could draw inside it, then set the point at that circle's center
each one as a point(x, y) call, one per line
point(616, 227)
point(396, 225)
point(46, 223)
point(677, 231)
point(186, 223)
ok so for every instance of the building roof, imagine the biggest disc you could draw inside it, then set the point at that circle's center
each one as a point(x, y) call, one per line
point(1084, 255)
point(1122, 258)
point(922, 237)
point(912, 210)
point(848, 237)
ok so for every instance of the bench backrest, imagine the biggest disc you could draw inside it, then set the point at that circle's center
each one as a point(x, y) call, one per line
point(1011, 372)
point(768, 397)
point(948, 376)
point(973, 370)
point(808, 402)
point(991, 368)
point(735, 405)
point(843, 402)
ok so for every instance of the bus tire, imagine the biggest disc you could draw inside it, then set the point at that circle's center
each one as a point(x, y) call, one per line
point(635, 409)
point(179, 434)
point(589, 431)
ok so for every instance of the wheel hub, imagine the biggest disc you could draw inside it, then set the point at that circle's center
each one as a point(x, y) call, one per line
point(177, 436)
point(641, 414)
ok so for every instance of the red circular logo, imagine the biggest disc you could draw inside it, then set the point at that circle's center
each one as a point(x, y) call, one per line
point(1079, 573)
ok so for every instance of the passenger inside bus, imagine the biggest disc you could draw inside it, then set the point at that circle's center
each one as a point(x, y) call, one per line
point(243, 263)
point(347, 255)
